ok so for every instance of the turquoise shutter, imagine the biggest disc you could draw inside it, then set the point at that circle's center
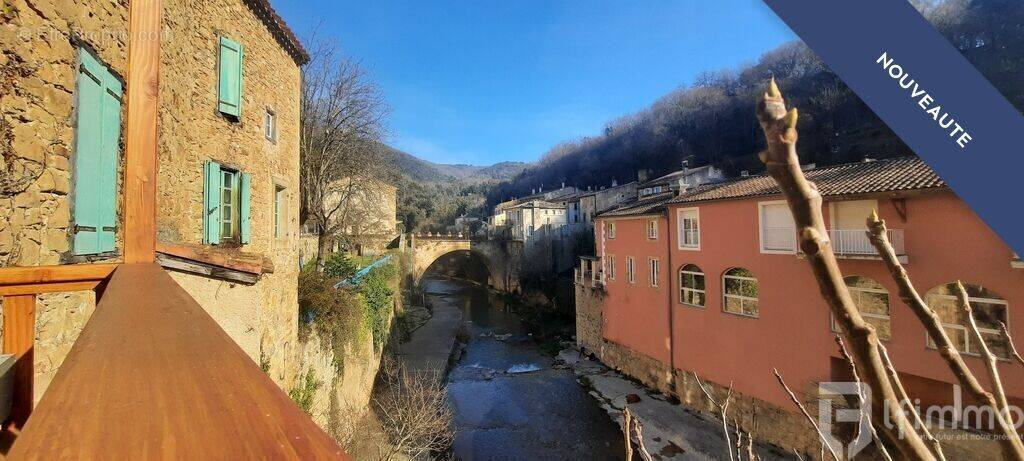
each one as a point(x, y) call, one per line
point(211, 203)
point(97, 142)
point(230, 77)
point(245, 197)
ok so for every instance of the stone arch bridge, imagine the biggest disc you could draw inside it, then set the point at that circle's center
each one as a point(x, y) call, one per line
point(499, 256)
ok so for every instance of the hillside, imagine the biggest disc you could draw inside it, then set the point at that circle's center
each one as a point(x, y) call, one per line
point(431, 195)
point(417, 169)
point(712, 121)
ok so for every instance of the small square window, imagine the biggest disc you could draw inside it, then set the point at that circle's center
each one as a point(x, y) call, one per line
point(270, 126)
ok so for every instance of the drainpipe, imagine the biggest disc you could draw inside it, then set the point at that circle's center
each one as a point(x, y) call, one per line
point(671, 315)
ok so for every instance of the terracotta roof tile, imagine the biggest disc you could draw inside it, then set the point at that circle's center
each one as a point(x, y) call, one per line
point(897, 174)
point(640, 207)
point(277, 26)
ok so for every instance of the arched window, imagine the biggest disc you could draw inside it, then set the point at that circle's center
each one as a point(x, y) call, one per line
point(989, 310)
point(740, 292)
point(872, 299)
point(691, 285)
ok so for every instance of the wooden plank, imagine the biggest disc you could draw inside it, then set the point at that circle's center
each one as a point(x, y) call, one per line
point(196, 267)
point(50, 274)
point(152, 376)
point(141, 133)
point(215, 256)
point(19, 337)
point(56, 287)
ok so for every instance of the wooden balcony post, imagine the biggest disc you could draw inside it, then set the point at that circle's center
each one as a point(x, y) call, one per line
point(141, 132)
point(19, 336)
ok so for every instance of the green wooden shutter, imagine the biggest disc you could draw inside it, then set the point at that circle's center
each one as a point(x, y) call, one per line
point(245, 197)
point(230, 77)
point(97, 142)
point(211, 203)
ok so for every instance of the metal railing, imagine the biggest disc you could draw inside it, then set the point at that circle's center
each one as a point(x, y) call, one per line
point(856, 242)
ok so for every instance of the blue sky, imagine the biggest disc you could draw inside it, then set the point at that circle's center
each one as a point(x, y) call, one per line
point(480, 82)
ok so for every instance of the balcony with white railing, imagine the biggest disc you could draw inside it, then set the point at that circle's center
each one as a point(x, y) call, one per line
point(855, 244)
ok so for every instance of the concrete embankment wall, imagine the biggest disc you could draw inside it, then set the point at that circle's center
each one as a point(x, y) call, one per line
point(764, 420)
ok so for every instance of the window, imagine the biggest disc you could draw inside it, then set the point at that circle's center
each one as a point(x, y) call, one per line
point(97, 143)
point(740, 292)
point(778, 231)
point(610, 229)
point(230, 81)
point(279, 215)
point(630, 272)
point(611, 267)
point(652, 229)
point(691, 285)
point(655, 271)
point(689, 229)
point(226, 195)
point(270, 126)
point(872, 299)
point(989, 311)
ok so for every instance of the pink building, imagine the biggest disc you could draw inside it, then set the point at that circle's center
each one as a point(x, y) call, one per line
point(711, 280)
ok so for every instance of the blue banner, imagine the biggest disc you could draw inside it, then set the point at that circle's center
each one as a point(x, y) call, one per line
point(928, 93)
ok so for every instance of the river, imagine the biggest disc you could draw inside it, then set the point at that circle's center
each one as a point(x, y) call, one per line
point(508, 400)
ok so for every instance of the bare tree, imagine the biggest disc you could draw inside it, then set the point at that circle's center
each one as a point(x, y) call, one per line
point(342, 125)
point(780, 158)
point(414, 413)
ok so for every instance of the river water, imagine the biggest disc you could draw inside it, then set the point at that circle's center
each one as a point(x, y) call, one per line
point(509, 403)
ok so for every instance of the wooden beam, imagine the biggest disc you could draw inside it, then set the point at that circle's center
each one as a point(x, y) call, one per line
point(56, 287)
point(54, 274)
point(19, 335)
point(141, 134)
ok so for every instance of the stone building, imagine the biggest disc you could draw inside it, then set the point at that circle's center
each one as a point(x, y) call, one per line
point(369, 209)
point(227, 209)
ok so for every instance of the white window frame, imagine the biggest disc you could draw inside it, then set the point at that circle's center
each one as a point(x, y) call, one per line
point(611, 266)
point(726, 295)
point(680, 217)
point(279, 213)
point(610, 230)
point(270, 125)
point(761, 228)
point(630, 269)
point(654, 271)
point(684, 289)
point(652, 229)
point(968, 336)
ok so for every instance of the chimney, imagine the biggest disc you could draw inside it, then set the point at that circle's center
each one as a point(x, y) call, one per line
point(744, 173)
point(615, 183)
point(641, 175)
point(533, 191)
point(563, 184)
point(686, 165)
point(589, 188)
point(809, 166)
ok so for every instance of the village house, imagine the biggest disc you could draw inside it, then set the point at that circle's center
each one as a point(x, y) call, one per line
point(368, 209)
point(228, 162)
point(709, 280)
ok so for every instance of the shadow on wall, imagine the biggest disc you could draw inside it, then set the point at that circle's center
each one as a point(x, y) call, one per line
point(462, 264)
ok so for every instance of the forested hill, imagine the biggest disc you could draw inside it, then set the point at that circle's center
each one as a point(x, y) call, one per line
point(712, 121)
point(431, 195)
point(418, 169)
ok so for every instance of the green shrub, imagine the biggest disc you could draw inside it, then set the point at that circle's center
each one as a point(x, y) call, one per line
point(340, 266)
point(378, 297)
point(304, 392)
point(335, 313)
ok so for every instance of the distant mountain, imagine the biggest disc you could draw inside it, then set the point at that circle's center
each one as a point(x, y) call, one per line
point(417, 169)
point(431, 195)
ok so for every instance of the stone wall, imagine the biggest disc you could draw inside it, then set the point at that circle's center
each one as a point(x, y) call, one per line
point(39, 43)
point(764, 420)
point(263, 317)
